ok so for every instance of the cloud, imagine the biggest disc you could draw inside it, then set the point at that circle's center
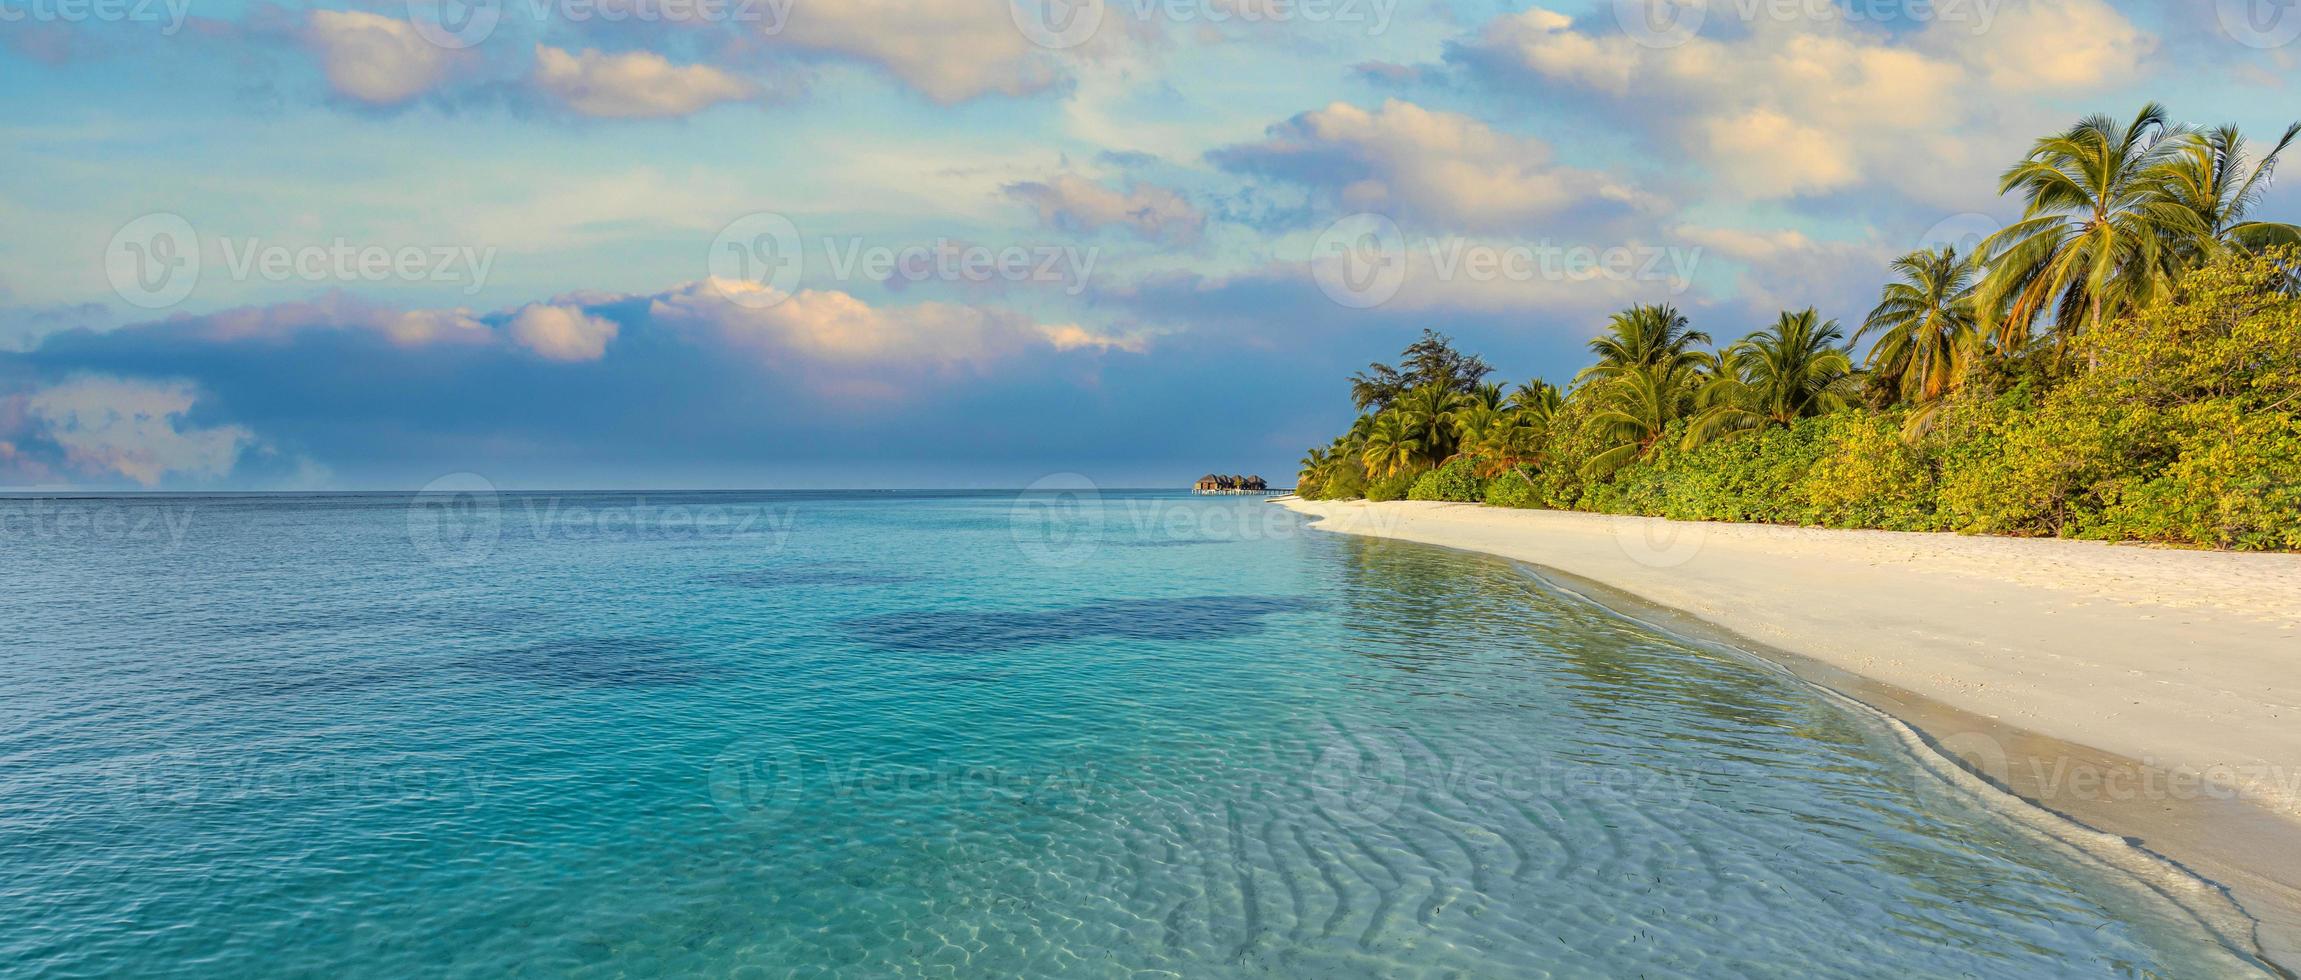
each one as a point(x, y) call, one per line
point(1419, 164)
point(633, 85)
point(107, 428)
point(836, 329)
point(331, 311)
point(381, 61)
point(949, 50)
point(1072, 203)
point(562, 333)
point(2092, 44)
point(689, 374)
point(1804, 106)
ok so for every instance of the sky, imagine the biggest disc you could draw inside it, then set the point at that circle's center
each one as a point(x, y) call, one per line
point(963, 243)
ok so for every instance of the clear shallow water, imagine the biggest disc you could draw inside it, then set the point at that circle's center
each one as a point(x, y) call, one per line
point(944, 735)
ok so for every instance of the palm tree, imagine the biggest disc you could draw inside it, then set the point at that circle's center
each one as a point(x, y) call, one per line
point(1473, 421)
point(1635, 409)
point(1794, 369)
point(1514, 440)
point(1487, 394)
point(2098, 228)
point(1314, 464)
point(1929, 333)
point(1537, 398)
point(1392, 444)
point(1429, 410)
point(1641, 336)
point(2213, 175)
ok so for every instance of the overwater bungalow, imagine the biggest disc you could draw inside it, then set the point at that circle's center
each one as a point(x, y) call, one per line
point(1211, 483)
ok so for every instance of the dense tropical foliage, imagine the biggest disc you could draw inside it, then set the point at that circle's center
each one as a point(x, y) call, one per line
point(2123, 363)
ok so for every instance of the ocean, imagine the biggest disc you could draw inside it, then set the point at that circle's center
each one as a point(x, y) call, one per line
point(1076, 732)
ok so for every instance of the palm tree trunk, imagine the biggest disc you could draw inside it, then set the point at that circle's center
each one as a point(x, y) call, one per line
point(2093, 348)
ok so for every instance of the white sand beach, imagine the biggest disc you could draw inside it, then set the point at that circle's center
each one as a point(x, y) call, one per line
point(2153, 693)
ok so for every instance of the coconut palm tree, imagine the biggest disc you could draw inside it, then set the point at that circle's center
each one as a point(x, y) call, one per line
point(1472, 422)
point(2098, 233)
point(1392, 444)
point(1313, 467)
point(1429, 411)
point(1797, 368)
point(2214, 175)
point(1635, 408)
point(1487, 394)
point(1641, 336)
point(1513, 441)
point(1537, 398)
point(1928, 331)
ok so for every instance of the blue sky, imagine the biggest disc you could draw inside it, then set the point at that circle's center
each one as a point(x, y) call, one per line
point(558, 251)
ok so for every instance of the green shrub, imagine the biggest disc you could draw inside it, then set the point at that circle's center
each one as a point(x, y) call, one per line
point(2177, 423)
point(1392, 487)
point(1516, 488)
point(1344, 483)
point(1869, 475)
point(1458, 480)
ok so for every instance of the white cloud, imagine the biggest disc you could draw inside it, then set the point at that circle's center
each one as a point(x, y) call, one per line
point(950, 50)
point(836, 329)
point(633, 85)
point(109, 427)
point(1073, 203)
point(1442, 167)
point(1792, 106)
point(375, 59)
point(335, 311)
point(2091, 44)
point(562, 333)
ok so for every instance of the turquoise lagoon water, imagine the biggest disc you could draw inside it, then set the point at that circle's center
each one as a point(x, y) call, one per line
point(883, 735)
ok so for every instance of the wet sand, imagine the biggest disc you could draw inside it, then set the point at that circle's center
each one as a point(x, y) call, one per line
point(2147, 693)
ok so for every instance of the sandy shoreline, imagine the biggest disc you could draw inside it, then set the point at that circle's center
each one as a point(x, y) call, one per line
point(2150, 693)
